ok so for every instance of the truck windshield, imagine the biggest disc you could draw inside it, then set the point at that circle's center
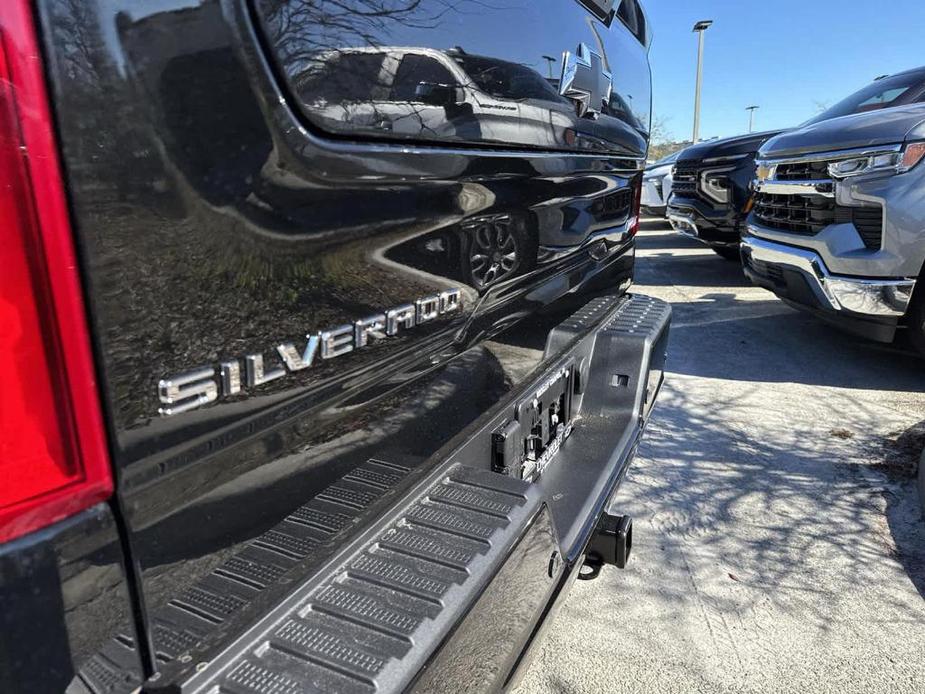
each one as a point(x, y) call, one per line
point(883, 93)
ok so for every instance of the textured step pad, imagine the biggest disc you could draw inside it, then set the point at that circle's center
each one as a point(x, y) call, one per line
point(639, 316)
point(186, 621)
point(372, 623)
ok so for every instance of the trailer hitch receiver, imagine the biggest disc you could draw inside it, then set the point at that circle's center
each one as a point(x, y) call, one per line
point(612, 544)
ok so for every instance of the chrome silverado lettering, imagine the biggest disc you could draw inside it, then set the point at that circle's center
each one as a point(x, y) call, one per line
point(187, 391)
point(198, 387)
point(295, 361)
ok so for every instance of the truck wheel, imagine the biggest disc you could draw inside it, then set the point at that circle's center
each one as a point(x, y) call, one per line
point(727, 252)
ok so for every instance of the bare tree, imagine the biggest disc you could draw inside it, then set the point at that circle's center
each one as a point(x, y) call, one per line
point(300, 29)
point(659, 132)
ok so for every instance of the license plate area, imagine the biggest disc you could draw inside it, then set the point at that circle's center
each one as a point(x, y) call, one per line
point(526, 445)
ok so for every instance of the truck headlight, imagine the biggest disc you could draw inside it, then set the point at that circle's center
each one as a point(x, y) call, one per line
point(714, 183)
point(657, 173)
point(896, 161)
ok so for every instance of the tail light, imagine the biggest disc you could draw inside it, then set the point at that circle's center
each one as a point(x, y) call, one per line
point(53, 460)
point(636, 210)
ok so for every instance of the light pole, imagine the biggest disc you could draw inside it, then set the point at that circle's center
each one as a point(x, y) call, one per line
point(549, 61)
point(751, 117)
point(699, 28)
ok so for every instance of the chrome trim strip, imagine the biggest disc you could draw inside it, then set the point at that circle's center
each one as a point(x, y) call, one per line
point(684, 224)
point(874, 297)
point(730, 158)
point(796, 187)
point(769, 160)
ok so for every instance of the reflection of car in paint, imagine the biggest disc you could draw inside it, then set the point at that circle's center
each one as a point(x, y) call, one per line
point(656, 185)
point(422, 92)
point(406, 90)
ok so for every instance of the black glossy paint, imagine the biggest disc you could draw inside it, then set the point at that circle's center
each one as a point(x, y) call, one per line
point(215, 219)
point(63, 598)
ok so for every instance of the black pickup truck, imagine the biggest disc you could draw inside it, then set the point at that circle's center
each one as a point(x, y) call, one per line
point(319, 365)
point(711, 192)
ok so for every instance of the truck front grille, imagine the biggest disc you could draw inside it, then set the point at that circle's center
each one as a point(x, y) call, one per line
point(807, 215)
point(803, 171)
point(684, 182)
point(798, 214)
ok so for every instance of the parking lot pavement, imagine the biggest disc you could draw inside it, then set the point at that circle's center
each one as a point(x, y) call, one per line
point(779, 545)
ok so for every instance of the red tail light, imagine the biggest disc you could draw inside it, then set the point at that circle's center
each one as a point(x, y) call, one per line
point(53, 460)
point(636, 210)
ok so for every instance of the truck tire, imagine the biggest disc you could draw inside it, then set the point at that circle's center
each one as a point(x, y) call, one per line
point(916, 319)
point(727, 252)
point(922, 483)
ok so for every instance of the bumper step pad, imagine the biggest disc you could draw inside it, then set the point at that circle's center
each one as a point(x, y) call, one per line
point(372, 623)
point(190, 620)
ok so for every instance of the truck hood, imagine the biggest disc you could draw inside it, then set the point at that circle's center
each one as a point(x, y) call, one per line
point(873, 129)
point(728, 147)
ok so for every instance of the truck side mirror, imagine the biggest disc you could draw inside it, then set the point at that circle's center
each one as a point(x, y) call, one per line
point(435, 94)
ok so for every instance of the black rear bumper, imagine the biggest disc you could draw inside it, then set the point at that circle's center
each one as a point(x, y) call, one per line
point(63, 595)
point(469, 557)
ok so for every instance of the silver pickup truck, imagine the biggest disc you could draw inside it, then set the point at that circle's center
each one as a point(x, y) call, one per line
point(838, 223)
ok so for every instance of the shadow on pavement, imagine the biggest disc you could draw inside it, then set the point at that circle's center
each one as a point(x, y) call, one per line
point(798, 518)
point(766, 341)
point(753, 336)
point(905, 514)
point(700, 269)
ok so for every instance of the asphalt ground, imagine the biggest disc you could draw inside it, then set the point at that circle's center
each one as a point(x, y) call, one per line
point(779, 545)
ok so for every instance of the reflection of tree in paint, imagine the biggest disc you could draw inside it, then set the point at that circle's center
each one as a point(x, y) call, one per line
point(347, 66)
point(301, 28)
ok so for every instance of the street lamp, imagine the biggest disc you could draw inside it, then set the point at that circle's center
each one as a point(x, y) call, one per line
point(699, 28)
point(549, 61)
point(751, 116)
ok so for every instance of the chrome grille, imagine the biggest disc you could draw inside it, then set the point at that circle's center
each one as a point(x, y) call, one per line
point(788, 208)
point(809, 214)
point(798, 214)
point(803, 171)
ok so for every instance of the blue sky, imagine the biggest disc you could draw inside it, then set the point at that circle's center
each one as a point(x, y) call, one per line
point(783, 55)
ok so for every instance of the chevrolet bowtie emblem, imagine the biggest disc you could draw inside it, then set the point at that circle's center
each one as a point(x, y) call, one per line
point(763, 171)
point(585, 80)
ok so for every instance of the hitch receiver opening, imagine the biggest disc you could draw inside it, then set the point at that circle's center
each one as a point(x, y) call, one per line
point(612, 544)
